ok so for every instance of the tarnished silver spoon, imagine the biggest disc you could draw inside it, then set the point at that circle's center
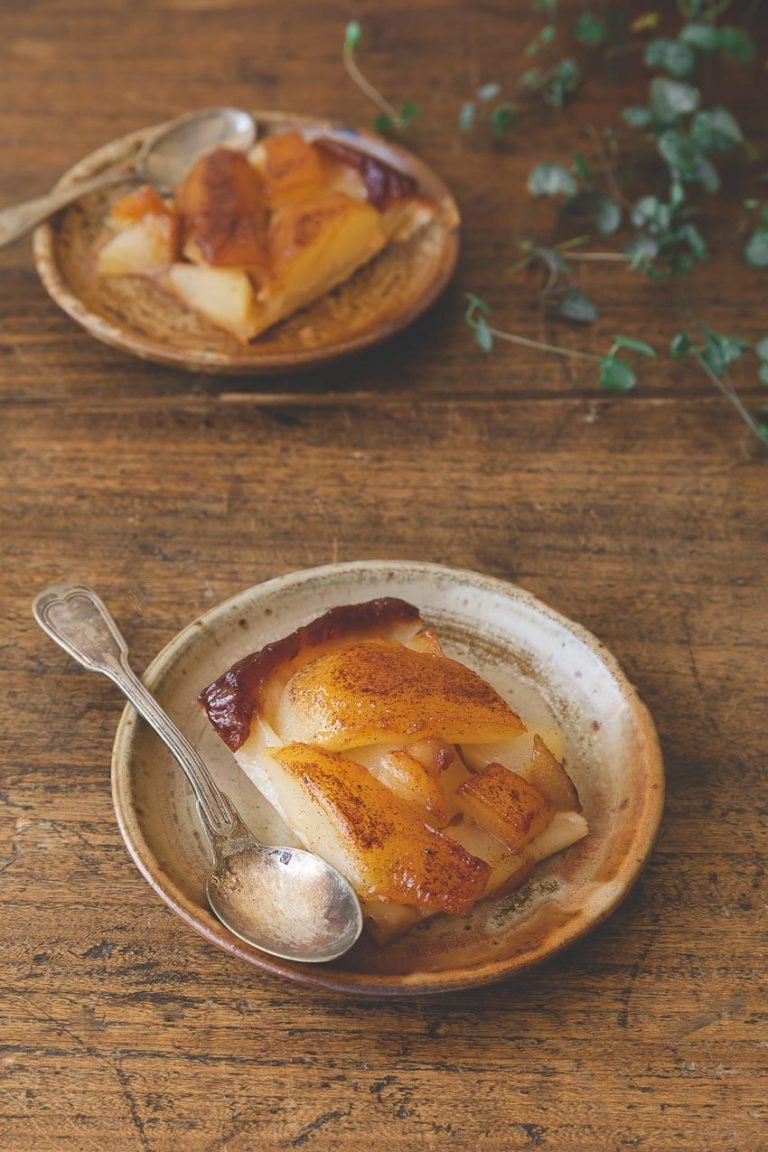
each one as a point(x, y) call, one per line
point(163, 160)
point(285, 901)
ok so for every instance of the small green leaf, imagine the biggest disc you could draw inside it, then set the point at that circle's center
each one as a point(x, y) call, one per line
point(488, 92)
point(681, 152)
point(574, 305)
point(583, 169)
point(679, 345)
point(353, 34)
point(736, 43)
point(483, 335)
point(547, 34)
point(603, 211)
point(674, 56)
point(590, 29)
point(636, 345)
point(762, 372)
point(762, 348)
point(641, 249)
point(531, 79)
point(638, 116)
point(651, 213)
point(545, 5)
point(408, 113)
point(467, 116)
point(690, 235)
point(616, 375)
point(716, 130)
point(756, 249)
point(720, 351)
point(676, 194)
point(383, 124)
point(702, 37)
point(563, 84)
point(708, 176)
point(552, 260)
point(551, 180)
point(475, 304)
point(671, 99)
point(502, 119)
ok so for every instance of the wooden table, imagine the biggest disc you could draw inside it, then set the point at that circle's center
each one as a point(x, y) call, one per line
point(643, 517)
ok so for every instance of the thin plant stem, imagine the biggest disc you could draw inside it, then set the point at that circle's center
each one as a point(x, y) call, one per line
point(511, 338)
point(731, 395)
point(365, 87)
point(595, 257)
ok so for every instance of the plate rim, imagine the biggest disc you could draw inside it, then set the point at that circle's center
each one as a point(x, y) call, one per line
point(108, 155)
point(383, 985)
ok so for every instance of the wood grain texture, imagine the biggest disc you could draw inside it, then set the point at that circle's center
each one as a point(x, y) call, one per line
point(641, 517)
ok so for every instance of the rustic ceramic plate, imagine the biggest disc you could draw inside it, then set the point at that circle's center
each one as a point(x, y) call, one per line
point(136, 316)
point(547, 667)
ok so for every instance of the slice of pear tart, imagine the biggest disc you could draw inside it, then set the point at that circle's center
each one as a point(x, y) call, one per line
point(248, 240)
point(400, 766)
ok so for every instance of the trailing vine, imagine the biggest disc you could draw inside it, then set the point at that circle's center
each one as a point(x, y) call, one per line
point(677, 138)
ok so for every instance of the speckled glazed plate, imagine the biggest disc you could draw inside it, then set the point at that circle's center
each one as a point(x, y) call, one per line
point(548, 668)
point(136, 316)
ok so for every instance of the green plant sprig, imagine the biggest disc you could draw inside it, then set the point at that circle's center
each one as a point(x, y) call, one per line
point(689, 139)
point(554, 83)
point(615, 373)
point(389, 118)
point(689, 143)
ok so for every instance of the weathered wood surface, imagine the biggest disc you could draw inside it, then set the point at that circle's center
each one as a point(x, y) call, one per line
point(644, 518)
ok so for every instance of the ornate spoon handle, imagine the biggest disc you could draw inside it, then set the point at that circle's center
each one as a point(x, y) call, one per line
point(75, 617)
point(21, 218)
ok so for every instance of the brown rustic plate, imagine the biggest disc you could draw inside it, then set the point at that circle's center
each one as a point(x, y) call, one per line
point(550, 669)
point(138, 317)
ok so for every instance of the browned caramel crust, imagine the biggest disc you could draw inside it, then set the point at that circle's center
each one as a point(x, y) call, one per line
point(231, 700)
point(383, 183)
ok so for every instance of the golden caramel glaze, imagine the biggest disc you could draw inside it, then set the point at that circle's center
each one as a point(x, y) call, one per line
point(296, 228)
point(397, 856)
point(380, 690)
point(223, 211)
point(143, 201)
point(232, 700)
point(501, 801)
point(290, 165)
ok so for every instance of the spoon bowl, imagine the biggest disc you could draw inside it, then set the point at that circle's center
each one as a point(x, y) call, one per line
point(167, 155)
point(284, 901)
point(304, 909)
point(163, 160)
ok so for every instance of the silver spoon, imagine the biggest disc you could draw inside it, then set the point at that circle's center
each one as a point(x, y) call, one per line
point(163, 160)
point(282, 900)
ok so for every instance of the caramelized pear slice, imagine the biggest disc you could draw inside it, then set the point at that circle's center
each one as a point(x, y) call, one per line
point(251, 688)
point(143, 201)
point(291, 167)
point(550, 777)
point(143, 248)
point(408, 778)
point(223, 210)
point(374, 838)
point(506, 804)
point(223, 295)
point(377, 691)
point(314, 246)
